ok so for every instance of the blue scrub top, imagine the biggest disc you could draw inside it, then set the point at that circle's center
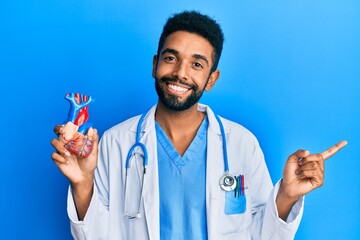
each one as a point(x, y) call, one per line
point(182, 181)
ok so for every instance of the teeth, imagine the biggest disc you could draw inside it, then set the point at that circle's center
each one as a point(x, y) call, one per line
point(177, 88)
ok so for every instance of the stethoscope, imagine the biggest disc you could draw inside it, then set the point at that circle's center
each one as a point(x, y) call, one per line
point(227, 182)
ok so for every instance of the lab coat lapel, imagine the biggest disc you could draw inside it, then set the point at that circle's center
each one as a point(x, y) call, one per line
point(214, 171)
point(151, 186)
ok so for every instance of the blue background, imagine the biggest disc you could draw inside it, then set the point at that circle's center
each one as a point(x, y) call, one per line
point(290, 73)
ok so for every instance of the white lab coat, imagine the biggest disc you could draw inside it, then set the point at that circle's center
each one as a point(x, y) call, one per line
point(105, 216)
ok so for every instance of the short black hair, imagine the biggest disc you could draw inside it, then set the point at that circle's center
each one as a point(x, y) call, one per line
point(195, 22)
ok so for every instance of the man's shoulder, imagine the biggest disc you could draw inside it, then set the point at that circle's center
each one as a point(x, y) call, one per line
point(238, 129)
point(121, 127)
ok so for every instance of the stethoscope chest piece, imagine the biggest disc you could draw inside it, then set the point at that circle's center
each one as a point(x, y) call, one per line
point(227, 182)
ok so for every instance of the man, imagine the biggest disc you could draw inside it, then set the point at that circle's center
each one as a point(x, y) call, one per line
point(179, 196)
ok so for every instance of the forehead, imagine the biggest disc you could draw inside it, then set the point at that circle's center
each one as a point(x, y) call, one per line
point(188, 43)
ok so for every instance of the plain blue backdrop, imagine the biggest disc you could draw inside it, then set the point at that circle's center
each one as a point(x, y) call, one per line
point(290, 73)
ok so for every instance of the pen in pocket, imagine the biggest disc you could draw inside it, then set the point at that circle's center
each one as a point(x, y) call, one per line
point(240, 186)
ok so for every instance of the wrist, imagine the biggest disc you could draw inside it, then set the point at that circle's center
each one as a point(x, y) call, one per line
point(284, 202)
point(82, 192)
point(82, 179)
point(83, 186)
point(285, 198)
point(287, 193)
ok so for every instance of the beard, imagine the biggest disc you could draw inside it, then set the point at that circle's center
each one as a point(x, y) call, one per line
point(173, 102)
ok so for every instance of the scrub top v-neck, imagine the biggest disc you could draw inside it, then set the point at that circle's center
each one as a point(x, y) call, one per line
point(182, 181)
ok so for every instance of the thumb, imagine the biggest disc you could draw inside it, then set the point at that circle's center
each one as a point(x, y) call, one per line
point(92, 133)
point(296, 156)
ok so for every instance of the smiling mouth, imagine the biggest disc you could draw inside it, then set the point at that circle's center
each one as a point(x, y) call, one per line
point(177, 88)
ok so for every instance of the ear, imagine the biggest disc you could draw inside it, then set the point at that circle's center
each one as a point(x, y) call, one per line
point(214, 76)
point(154, 66)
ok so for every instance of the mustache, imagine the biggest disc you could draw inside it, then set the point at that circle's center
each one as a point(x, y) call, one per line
point(177, 80)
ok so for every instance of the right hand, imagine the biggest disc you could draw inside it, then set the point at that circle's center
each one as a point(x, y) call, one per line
point(77, 170)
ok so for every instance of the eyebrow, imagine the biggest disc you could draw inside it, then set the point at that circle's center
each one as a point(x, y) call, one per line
point(196, 56)
point(169, 50)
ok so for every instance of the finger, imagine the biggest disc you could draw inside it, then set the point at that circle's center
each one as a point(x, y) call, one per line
point(95, 137)
point(58, 159)
point(90, 132)
point(316, 166)
point(299, 154)
point(311, 173)
point(314, 158)
point(316, 177)
point(60, 148)
point(59, 129)
point(331, 151)
point(309, 166)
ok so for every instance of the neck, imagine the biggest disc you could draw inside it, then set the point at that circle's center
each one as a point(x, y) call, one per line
point(170, 119)
point(179, 126)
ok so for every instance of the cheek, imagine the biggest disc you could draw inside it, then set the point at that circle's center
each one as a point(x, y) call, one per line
point(162, 70)
point(201, 81)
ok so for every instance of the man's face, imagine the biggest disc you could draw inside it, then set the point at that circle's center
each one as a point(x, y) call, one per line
point(182, 71)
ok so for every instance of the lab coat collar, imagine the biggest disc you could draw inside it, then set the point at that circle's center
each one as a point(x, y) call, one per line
point(148, 122)
point(150, 118)
point(213, 124)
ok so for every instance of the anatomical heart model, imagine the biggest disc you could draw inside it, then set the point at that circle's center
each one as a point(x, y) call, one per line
point(78, 138)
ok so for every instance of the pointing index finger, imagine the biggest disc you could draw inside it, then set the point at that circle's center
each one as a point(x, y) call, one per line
point(331, 151)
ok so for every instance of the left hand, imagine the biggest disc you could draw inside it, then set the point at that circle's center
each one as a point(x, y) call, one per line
point(304, 172)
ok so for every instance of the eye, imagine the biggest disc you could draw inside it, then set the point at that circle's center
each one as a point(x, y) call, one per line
point(169, 58)
point(198, 65)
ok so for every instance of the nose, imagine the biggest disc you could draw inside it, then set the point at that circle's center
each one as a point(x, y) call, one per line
point(180, 71)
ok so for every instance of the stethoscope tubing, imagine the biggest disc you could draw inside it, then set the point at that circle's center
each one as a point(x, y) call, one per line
point(145, 162)
point(223, 138)
point(143, 147)
point(137, 144)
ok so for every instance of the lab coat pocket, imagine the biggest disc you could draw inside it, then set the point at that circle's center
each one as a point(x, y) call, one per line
point(234, 204)
point(235, 216)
